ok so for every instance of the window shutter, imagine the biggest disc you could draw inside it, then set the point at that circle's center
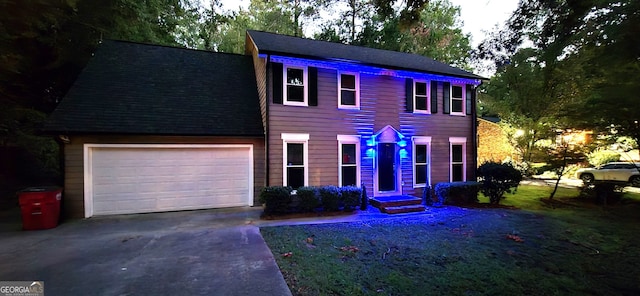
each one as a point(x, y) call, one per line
point(434, 97)
point(470, 97)
point(313, 86)
point(409, 94)
point(446, 98)
point(276, 82)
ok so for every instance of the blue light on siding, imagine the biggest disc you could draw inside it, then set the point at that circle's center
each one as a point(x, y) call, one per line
point(403, 153)
point(371, 142)
point(371, 152)
point(402, 143)
point(354, 66)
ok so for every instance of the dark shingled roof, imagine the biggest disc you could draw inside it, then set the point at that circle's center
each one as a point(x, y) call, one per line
point(287, 46)
point(132, 88)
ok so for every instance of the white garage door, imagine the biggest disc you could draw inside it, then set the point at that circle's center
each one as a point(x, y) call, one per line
point(123, 179)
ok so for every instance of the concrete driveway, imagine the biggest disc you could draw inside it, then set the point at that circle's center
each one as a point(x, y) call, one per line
point(209, 252)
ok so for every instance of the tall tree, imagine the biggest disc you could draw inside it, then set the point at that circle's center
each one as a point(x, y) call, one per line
point(45, 43)
point(436, 33)
point(277, 16)
point(600, 39)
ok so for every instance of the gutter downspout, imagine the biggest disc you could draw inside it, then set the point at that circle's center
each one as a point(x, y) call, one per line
point(474, 130)
point(266, 111)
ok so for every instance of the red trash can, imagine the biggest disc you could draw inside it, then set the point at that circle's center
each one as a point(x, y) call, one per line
point(40, 207)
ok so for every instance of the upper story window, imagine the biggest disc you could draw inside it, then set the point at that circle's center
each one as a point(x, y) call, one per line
point(421, 97)
point(457, 99)
point(349, 90)
point(295, 88)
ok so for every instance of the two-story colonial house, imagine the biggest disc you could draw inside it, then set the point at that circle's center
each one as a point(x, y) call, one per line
point(151, 128)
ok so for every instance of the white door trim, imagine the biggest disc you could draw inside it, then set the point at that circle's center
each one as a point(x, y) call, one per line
point(398, 172)
point(88, 165)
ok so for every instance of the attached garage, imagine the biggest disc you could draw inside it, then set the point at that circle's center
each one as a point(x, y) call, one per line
point(125, 179)
point(151, 128)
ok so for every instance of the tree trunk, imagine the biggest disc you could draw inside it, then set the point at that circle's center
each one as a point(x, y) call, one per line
point(560, 172)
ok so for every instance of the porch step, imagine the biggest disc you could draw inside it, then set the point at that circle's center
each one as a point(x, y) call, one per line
point(397, 204)
point(403, 209)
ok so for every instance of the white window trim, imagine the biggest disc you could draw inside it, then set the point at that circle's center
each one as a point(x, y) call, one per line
point(418, 140)
point(458, 141)
point(428, 97)
point(464, 95)
point(348, 139)
point(305, 82)
point(295, 139)
point(357, 95)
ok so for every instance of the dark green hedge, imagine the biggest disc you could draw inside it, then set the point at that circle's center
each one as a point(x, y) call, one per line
point(457, 193)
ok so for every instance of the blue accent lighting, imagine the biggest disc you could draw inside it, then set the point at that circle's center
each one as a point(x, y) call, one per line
point(371, 152)
point(402, 143)
point(403, 153)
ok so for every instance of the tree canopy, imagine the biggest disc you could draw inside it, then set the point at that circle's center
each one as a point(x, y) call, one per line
point(589, 56)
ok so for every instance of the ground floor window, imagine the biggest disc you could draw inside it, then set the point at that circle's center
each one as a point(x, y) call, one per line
point(348, 160)
point(421, 160)
point(458, 159)
point(295, 152)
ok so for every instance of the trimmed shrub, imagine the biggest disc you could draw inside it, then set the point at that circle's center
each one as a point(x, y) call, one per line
point(498, 179)
point(457, 193)
point(602, 156)
point(308, 198)
point(276, 199)
point(350, 196)
point(330, 198)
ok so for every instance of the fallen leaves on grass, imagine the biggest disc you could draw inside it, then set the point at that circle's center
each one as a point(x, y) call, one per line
point(515, 238)
point(352, 249)
point(287, 254)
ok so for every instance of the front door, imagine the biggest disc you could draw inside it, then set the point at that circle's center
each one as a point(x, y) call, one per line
point(387, 178)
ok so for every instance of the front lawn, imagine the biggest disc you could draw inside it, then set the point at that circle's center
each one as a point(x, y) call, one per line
point(561, 248)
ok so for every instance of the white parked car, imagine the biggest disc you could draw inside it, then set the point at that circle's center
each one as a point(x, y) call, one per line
point(627, 172)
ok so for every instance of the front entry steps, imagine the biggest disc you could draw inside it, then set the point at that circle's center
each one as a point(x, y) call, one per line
point(397, 204)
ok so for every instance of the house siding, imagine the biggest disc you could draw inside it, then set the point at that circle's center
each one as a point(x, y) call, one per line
point(382, 103)
point(73, 201)
point(260, 68)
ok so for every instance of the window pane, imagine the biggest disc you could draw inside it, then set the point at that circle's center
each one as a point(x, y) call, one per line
point(456, 153)
point(456, 106)
point(295, 93)
point(456, 172)
point(295, 177)
point(348, 81)
point(421, 103)
point(349, 154)
point(348, 97)
point(456, 91)
point(295, 154)
point(349, 175)
point(421, 173)
point(421, 154)
point(295, 76)
point(421, 89)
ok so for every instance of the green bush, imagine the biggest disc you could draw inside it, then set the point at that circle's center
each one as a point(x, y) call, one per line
point(498, 179)
point(330, 198)
point(602, 156)
point(457, 193)
point(276, 199)
point(308, 198)
point(350, 196)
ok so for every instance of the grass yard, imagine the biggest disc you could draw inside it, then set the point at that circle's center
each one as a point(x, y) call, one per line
point(562, 248)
